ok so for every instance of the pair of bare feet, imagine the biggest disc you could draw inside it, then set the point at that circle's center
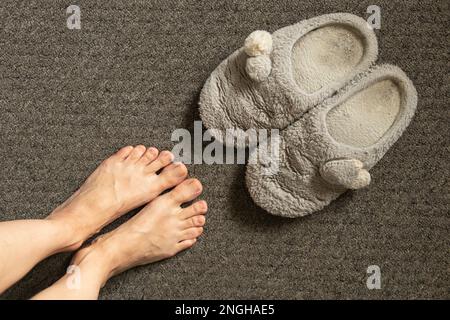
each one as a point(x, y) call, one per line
point(133, 177)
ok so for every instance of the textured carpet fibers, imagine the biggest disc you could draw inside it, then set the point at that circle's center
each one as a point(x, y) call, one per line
point(132, 75)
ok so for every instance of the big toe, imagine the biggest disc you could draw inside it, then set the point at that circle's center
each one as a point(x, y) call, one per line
point(186, 191)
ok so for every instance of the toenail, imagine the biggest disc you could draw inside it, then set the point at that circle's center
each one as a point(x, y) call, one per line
point(202, 205)
point(168, 154)
point(200, 219)
point(198, 185)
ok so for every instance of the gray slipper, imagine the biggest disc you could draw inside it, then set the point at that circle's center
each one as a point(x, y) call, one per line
point(274, 79)
point(332, 147)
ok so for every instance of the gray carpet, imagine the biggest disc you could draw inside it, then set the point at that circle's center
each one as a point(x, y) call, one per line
point(133, 74)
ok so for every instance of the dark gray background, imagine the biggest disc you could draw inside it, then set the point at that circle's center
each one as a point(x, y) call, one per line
point(133, 74)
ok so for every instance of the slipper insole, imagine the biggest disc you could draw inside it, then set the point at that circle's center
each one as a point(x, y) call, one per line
point(365, 117)
point(326, 55)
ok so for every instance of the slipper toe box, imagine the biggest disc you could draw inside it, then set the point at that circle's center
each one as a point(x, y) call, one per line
point(294, 189)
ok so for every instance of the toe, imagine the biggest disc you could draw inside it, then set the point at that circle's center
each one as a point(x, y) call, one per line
point(164, 159)
point(195, 221)
point(137, 153)
point(185, 244)
point(198, 208)
point(123, 153)
point(149, 156)
point(191, 233)
point(173, 174)
point(186, 191)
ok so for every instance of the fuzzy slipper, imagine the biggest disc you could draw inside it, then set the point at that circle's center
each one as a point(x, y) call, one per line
point(332, 147)
point(274, 79)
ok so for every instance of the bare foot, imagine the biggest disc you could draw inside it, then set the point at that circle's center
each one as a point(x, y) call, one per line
point(159, 231)
point(124, 181)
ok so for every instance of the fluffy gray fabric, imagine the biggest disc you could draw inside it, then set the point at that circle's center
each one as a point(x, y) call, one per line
point(231, 99)
point(307, 146)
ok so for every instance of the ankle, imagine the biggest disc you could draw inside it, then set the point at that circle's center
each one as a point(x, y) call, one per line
point(70, 228)
point(67, 236)
point(97, 259)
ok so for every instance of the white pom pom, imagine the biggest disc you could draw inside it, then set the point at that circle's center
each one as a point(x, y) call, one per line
point(258, 68)
point(258, 43)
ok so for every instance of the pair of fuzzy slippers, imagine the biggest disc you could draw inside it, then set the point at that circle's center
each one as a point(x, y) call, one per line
point(337, 112)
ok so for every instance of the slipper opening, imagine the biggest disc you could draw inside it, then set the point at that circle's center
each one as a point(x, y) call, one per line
point(326, 55)
point(364, 118)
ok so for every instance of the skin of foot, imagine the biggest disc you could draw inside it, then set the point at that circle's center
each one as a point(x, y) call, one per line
point(128, 179)
point(159, 231)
